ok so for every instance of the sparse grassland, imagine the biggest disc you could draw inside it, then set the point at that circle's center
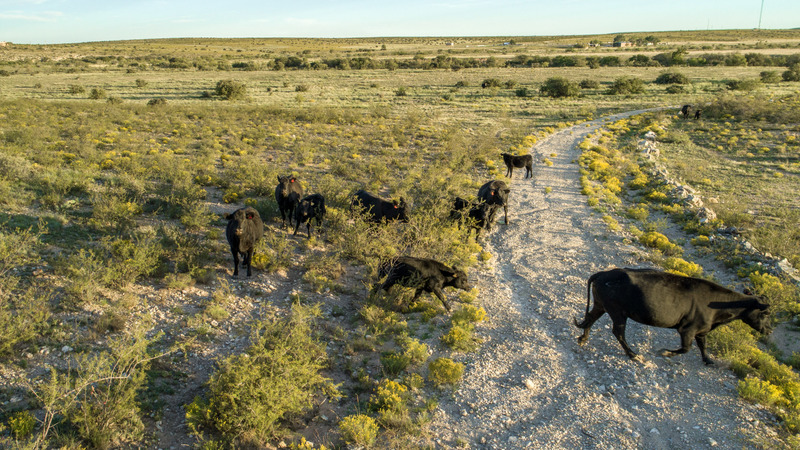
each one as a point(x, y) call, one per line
point(119, 160)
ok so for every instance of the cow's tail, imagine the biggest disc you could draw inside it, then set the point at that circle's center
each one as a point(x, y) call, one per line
point(588, 300)
point(589, 290)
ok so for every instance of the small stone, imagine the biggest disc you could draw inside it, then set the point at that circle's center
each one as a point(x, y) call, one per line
point(654, 431)
point(66, 349)
point(712, 442)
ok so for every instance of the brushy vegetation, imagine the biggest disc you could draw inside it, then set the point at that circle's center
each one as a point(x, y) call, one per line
point(278, 376)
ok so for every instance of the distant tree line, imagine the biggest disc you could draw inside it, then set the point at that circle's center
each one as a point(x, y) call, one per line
point(678, 57)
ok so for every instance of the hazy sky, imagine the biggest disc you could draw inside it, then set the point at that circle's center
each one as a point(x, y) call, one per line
point(63, 21)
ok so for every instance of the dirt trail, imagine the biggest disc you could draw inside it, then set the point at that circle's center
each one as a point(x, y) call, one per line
point(531, 385)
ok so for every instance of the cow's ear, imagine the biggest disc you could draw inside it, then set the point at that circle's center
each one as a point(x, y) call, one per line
point(279, 179)
point(228, 216)
point(292, 180)
point(250, 215)
point(506, 190)
point(492, 193)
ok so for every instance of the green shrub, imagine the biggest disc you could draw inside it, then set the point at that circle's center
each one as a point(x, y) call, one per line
point(231, 90)
point(157, 102)
point(557, 87)
point(468, 314)
point(277, 376)
point(522, 92)
point(589, 84)
point(672, 78)
point(460, 338)
point(682, 267)
point(491, 83)
point(140, 83)
point(769, 76)
point(21, 424)
point(416, 352)
point(97, 398)
point(97, 94)
point(626, 85)
point(76, 89)
point(759, 391)
point(359, 429)
point(394, 363)
point(444, 371)
point(656, 240)
point(675, 89)
point(402, 91)
point(793, 74)
point(743, 85)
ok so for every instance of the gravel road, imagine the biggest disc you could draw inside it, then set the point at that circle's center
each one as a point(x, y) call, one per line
point(531, 385)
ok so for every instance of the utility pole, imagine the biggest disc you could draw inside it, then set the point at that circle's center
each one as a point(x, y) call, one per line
point(760, 14)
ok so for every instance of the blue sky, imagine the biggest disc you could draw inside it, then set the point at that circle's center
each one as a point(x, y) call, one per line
point(66, 21)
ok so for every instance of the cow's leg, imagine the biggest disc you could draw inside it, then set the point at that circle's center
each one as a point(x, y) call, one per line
point(528, 172)
point(235, 262)
point(618, 329)
point(297, 225)
point(701, 344)
point(591, 317)
point(509, 171)
point(248, 257)
point(505, 211)
point(308, 228)
point(686, 344)
point(438, 292)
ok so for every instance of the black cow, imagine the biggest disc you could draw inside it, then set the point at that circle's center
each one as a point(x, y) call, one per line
point(495, 193)
point(243, 231)
point(287, 194)
point(520, 161)
point(310, 207)
point(425, 275)
point(685, 111)
point(697, 114)
point(692, 306)
point(378, 209)
point(476, 214)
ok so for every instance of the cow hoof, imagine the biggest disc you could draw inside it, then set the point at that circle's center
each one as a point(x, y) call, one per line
point(667, 353)
point(638, 358)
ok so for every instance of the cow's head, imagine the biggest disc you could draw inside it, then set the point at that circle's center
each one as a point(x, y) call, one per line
point(458, 280)
point(401, 209)
point(758, 317)
point(240, 217)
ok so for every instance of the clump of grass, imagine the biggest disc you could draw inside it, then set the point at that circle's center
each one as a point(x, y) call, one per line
point(444, 371)
point(359, 429)
point(658, 241)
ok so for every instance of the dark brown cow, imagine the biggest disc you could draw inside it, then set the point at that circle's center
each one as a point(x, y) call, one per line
point(495, 193)
point(243, 231)
point(425, 275)
point(287, 194)
point(518, 161)
point(692, 306)
point(379, 210)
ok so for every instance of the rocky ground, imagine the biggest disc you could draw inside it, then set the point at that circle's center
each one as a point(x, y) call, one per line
point(531, 385)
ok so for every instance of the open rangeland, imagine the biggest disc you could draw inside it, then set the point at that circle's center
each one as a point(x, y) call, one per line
point(124, 327)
